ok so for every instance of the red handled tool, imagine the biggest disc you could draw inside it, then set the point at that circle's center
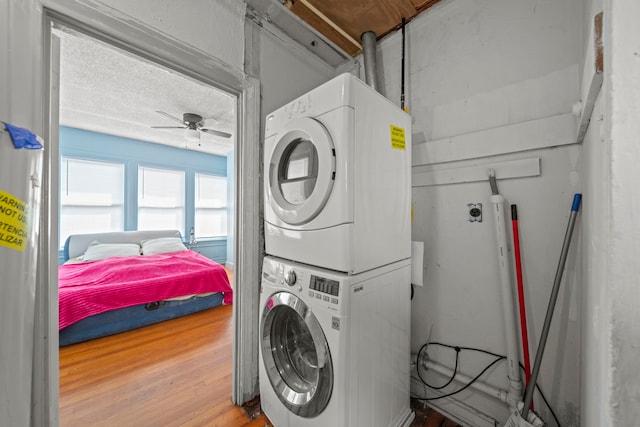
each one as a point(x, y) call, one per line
point(523, 312)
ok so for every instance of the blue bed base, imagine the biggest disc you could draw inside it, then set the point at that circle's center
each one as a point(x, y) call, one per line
point(137, 316)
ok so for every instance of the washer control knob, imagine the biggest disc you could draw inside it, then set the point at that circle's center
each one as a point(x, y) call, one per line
point(290, 278)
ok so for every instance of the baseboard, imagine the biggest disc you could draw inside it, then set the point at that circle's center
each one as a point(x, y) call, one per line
point(408, 419)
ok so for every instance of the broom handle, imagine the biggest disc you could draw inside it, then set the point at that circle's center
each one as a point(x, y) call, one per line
point(521, 303)
point(528, 397)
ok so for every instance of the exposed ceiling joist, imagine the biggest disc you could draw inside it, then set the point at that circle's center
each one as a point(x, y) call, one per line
point(292, 25)
point(344, 21)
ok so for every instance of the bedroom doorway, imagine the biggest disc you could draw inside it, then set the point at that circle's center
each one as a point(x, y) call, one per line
point(242, 158)
point(142, 147)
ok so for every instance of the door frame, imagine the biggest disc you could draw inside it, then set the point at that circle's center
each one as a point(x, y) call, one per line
point(107, 25)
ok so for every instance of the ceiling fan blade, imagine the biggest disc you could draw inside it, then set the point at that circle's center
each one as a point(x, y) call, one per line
point(216, 132)
point(168, 127)
point(170, 116)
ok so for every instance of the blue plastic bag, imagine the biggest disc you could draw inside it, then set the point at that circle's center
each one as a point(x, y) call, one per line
point(23, 138)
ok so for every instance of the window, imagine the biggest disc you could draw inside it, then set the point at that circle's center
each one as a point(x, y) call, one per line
point(92, 197)
point(210, 206)
point(160, 199)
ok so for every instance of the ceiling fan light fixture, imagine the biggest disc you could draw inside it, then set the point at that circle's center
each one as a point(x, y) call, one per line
point(191, 135)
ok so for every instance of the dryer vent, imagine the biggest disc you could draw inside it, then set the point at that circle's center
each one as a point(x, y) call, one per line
point(370, 63)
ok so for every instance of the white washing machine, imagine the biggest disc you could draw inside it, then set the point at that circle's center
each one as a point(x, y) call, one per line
point(337, 165)
point(334, 348)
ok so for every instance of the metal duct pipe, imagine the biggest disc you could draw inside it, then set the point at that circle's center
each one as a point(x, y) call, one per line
point(370, 64)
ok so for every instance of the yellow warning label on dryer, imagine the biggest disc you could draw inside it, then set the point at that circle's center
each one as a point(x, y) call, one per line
point(13, 222)
point(397, 138)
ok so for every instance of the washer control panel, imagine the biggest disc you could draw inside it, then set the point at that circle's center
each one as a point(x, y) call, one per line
point(320, 290)
point(324, 289)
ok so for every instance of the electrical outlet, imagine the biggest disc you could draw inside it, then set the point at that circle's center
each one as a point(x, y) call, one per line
point(475, 212)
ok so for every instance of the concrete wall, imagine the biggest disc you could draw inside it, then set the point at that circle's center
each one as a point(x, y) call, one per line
point(595, 247)
point(611, 388)
point(614, 316)
point(476, 69)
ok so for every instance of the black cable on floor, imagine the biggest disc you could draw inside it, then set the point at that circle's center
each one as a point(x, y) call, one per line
point(465, 386)
point(455, 369)
point(458, 349)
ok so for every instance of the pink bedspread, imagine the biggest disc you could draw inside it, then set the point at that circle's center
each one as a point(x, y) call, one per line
point(94, 287)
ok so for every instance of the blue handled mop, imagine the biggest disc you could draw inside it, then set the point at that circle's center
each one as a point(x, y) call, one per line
point(522, 419)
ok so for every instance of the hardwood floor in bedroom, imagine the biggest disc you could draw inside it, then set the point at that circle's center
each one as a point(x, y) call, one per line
point(174, 373)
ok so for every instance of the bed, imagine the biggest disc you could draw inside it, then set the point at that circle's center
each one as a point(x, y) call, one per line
point(115, 282)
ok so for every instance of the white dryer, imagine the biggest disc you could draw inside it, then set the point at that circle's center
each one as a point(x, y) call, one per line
point(337, 165)
point(334, 348)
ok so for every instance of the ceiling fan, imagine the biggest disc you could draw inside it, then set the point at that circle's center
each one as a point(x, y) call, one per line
point(193, 124)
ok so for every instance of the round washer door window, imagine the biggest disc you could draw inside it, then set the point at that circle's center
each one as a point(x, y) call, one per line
point(296, 355)
point(301, 171)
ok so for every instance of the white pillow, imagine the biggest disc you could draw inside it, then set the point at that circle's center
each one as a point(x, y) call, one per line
point(162, 245)
point(97, 251)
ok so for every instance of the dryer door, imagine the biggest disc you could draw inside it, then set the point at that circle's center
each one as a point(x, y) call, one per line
point(296, 355)
point(301, 171)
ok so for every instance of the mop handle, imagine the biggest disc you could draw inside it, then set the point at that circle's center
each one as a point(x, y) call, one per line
point(528, 397)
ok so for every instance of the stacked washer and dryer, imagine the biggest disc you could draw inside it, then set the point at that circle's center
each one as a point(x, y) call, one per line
point(335, 295)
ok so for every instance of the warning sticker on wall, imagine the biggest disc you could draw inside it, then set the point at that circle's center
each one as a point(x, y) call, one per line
point(13, 222)
point(397, 138)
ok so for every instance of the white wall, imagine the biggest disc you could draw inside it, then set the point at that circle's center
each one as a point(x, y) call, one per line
point(474, 66)
point(595, 248)
point(21, 104)
point(287, 70)
point(611, 387)
point(214, 27)
point(613, 310)
point(23, 101)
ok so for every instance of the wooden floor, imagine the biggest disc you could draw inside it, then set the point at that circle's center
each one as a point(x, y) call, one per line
point(175, 373)
point(427, 417)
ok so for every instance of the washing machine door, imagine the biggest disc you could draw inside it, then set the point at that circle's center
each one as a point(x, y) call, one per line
point(301, 171)
point(296, 355)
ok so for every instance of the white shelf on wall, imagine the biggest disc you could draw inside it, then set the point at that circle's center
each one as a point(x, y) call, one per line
point(530, 135)
point(503, 170)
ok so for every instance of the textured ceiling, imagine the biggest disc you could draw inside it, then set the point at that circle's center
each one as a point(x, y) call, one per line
point(344, 21)
point(106, 90)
